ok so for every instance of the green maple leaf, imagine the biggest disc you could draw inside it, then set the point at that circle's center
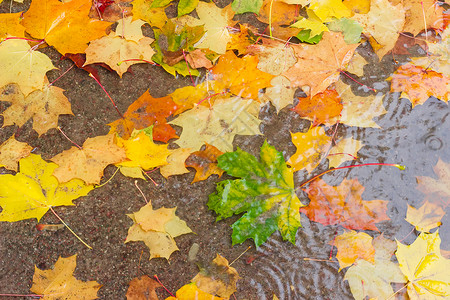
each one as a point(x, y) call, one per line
point(265, 193)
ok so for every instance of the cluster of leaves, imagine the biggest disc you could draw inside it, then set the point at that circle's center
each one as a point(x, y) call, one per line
point(266, 68)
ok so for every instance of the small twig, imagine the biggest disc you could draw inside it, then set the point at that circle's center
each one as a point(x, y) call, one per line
point(240, 255)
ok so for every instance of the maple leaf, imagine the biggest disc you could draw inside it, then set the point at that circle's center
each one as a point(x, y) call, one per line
point(188, 96)
point(59, 282)
point(425, 218)
point(350, 28)
point(428, 11)
point(313, 23)
point(343, 205)
point(43, 106)
point(157, 229)
point(217, 278)
point(117, 49)
point(285, 15)
point(205, 163)
point(142, 288)
point(419, 84)
point(216, 22)
point(244, 78)
point(274, 57)
point(11, 151)
point(191, 291)
point(142, 152)
point(353, 245)
point(242, 38)
point(54, 21)
point(311, 147)
point(320, 108)
point(23, 66)
point(143, 113)
point(344, 150)
point(359, 111)
point(265, 191)
point(88, 162)
point(327, 10)
point(436, 190)
point(175, 163)
point(319, 65)
point(358, 6)
point(219, 124)
point(155, 16)
point(383, 22)
point(281, 93)
point(10, 25)
point(424, 267)
point(31, 193)
point(374, 279)
point(243, 6)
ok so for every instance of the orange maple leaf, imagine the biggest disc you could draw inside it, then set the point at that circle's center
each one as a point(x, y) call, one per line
point(419, 84)
point(144, 112)
point(63, 25)
point(353, 245)
point(320, 108)
point(240, 75)
point(205, 163)
point(343, 205)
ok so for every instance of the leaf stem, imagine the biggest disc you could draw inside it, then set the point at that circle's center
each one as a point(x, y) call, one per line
point(270, 19)
point(107, 94)
point(62, 221)
point(157, 279)
point(78, 146)
point(349, 167)
point(23, 295)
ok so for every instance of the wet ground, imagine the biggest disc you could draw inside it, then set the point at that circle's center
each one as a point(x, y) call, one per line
point(414, 138)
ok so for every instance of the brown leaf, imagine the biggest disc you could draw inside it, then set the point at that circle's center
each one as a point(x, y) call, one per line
point(205, 163)
point(142, 288)
point(343, 205)
point(11, 151)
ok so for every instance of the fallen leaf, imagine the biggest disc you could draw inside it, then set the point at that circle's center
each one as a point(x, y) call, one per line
point(175, 163)
point(311, 147)
point(191, 291)
point(144, 112)
point(10, 25)
point(157, 229)
point(312, 23)
point(31, 192)
point(197, 59)
point(436, 190)
point(350, 28)
point(121, 49)
point(265, 191)
point(327, 10)
point(110, 10)
point(425, 218)
point(59, 282)
point(353, 245)
point(319, 65)
point(383, 22)
point(142, 288)
point(424, 267)
point(205, 163)
point(244, 79)
point(11, 151)
point(243, 6)
point(344, 150)
point(142, 152)
point(343, 205)
point(217, 278)
point(242, 38)
point(358, 6)
point(216, 22)
point(188, 96)
point(23, 66)
point(54, 21)
point(359, 111)
point(373, 280)
point(320, 108)
point(418, 84)
point(43, 106)
point(427, 11)
point(285, 15)
point(88, 162)
point(280, 93)
point(155, 16)
point(219, 124)
point(356, 65)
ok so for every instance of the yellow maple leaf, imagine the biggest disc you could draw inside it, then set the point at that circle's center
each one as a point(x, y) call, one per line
point(11, 151)
point(313, 22)
point(191, 291)
point(219, 124)
point(10, 25)
point(344, 150)
point(175, 163)
point(59, 282)
point(127, 43)
point(63, 25)
point(426, 217)
point(157, 229)
point(155, 16)
point(23, 66)
point(427, 11)
point(88, 162)
point(311, 146)
point(353, 245)
point(31, 193)
point(43, 106)
point(424, 267)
